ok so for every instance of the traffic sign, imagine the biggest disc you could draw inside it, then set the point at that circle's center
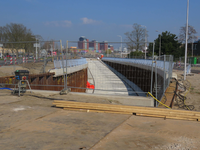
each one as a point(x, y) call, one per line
point(36, 45)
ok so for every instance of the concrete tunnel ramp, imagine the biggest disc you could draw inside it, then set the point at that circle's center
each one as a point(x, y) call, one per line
point(108, 81)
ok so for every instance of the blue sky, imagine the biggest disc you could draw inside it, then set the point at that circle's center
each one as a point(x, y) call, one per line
point(98, 19)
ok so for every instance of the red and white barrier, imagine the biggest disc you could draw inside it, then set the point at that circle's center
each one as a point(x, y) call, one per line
point(34, 59)
point(11, 60)
point(5, 61)
point(26, 59)
point(15, 60)
point(23, 60)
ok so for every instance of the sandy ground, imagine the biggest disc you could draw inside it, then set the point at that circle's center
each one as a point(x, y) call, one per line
point(193, 89)
point(33, 68)
point(31, 122)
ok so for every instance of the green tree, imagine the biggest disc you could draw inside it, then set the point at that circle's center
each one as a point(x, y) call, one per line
point(169, 45)
point(136, 53)
point(136, 38)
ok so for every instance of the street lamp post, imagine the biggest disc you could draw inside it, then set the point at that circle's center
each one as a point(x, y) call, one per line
point(51, 50)
point(186, 38)
point(36, 50)
point(121, 44)
point(159, 42)
point(192, 44)
point(145, 45)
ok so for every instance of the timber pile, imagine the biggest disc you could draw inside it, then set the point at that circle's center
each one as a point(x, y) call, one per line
point(124, 109)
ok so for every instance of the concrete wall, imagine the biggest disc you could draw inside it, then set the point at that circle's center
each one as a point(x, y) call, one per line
point(140, 75)
point(59, 72)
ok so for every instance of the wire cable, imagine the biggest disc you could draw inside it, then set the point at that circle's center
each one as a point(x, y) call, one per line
point(157, 100)
point(183, 98)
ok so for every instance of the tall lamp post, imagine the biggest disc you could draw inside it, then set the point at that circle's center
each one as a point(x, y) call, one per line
point(145, 45)
point(36, 50)
point(186, 38)
point(159, 42)
point(35, 45)
point(121, 44)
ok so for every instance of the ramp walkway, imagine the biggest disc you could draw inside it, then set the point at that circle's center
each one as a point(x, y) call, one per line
point(106, 81)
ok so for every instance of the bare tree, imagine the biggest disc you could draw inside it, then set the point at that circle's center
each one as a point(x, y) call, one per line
point(18, 33)
point(191, 34)
point(136, 38)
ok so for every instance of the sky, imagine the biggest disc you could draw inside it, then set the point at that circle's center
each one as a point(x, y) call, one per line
point(102, 20)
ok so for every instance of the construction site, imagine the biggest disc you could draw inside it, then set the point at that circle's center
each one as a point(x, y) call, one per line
point(85, 102)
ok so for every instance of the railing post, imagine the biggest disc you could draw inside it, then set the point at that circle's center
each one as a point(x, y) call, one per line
point(156, 80)
point(152, 69)
point(66, 65)
point(164, 75)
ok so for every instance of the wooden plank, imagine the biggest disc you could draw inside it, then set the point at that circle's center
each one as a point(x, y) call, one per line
point(133, 110)
point(142, 111)
point(94, 108)
point(98, 111)
point(150, 115)
point(180, 118)
point(125, 106)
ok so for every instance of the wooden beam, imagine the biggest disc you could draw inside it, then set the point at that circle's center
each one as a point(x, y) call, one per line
point(123, 109)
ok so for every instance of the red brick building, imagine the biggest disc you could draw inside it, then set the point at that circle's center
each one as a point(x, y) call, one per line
point(104, 45)
point(94, 45)
point(111, 48)
point(83, 43)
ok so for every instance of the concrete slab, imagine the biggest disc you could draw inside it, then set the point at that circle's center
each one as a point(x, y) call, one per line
point(59, 72)
point(142, 133)
point(116, 99)
point(31, 123)
point(123, 100)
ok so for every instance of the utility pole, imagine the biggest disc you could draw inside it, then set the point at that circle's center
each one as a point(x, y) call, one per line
point(121, 44)
point(145, 45)
point(36, 53)
point(186, 38)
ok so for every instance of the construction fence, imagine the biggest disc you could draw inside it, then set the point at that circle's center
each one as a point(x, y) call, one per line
point(105, 68)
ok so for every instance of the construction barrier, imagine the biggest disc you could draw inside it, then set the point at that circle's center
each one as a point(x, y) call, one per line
point(89, 86)
point(34, 59)
point(23, 60)
point(5, 60)
point(26, 59)
point(11, 60)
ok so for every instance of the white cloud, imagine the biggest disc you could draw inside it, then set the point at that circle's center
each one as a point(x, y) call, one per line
point(89, 21)
point(64, 23)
